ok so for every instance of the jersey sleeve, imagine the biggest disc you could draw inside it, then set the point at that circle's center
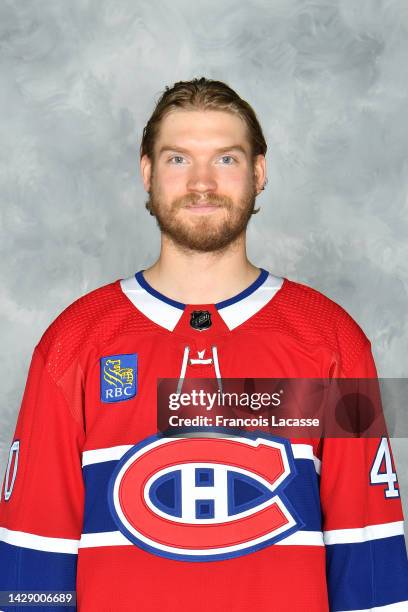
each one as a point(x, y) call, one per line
point(42, 496)
point(367, 566)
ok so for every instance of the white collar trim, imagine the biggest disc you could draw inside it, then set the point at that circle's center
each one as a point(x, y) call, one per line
point(154, 309)
point(168, 316)
point(244, 309)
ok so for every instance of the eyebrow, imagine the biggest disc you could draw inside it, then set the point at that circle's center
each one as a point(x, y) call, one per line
point(235, 147)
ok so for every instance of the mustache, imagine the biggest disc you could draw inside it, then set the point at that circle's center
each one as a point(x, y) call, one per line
point(211, 199)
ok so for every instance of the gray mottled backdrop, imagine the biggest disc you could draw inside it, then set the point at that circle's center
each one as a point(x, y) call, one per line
point(328, 80)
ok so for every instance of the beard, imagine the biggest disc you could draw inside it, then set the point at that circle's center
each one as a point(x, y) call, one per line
point(204, 233)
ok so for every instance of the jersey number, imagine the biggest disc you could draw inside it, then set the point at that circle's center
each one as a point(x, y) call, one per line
point(387, 475)
point(11, 470)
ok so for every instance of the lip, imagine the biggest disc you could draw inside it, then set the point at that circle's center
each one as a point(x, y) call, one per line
point(202, 208)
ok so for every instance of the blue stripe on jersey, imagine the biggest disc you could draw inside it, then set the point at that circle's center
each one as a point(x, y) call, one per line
point(19, 572)
point(147, 287)
point(263, 275)
point(302, 492)
point(364, 575)
point(97, 516)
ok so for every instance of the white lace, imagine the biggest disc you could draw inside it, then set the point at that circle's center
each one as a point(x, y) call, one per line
point(211, 360)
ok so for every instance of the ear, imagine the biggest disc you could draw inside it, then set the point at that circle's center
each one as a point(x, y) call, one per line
point(260, 173)
point(146, 171)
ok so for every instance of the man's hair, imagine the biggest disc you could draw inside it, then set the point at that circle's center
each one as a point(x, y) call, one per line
point(202, 94)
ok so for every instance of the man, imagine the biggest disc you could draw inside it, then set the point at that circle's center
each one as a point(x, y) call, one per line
point(94, 498)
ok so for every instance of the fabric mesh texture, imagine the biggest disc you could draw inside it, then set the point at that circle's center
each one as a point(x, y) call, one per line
point(311, 318)
point(296, 310)
point(98, 316)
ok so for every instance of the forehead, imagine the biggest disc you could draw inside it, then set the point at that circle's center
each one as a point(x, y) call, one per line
point(204, 129)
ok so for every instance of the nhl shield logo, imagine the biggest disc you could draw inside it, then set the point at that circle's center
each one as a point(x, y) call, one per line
point(200, 319)
point(118, 377)
point(204, 498)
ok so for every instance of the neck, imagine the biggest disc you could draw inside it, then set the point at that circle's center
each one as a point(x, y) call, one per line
point(191, 277)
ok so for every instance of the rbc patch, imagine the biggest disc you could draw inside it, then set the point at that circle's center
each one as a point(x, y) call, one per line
point(118, 377)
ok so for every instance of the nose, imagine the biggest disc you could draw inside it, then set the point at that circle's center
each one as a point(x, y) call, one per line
point(201, 179)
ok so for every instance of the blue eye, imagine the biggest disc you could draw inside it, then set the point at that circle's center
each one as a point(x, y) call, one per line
point(176, 159)
point(227, 157)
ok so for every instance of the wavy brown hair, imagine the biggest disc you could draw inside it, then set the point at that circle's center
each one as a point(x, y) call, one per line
point(202, 94)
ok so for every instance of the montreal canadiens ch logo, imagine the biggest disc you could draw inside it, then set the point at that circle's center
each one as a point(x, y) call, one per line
point(204, 498)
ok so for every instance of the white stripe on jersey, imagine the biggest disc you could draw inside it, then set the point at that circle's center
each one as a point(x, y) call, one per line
point(115, 538)
point(100, 455)
point(305, 451)
point(363, 534)
point(36, 542)
point(400, 606)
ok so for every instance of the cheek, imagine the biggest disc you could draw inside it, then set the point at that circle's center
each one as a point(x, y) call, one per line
point(170, 182)
point(234, 180)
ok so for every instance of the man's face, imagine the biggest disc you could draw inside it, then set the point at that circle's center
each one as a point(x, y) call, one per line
point(203, 181)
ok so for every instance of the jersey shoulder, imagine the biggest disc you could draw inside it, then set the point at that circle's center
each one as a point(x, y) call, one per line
point(90, 320)
point(313, 318)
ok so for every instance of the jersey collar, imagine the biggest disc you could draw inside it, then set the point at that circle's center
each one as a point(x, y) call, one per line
point(234, 311)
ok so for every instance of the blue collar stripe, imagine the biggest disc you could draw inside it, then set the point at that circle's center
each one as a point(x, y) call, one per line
point(143, 283)
point(240, 296)
point(257, 283)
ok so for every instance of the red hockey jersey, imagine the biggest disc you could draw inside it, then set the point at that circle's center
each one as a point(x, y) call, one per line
point(96, 500)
